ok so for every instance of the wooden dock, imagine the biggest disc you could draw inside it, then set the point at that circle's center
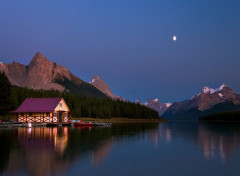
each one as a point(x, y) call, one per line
point(29, 125)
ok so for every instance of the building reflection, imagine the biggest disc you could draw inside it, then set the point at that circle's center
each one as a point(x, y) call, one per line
point(55, 139)
point(39, 151)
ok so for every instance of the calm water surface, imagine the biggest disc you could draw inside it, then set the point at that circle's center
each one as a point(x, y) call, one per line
point(175, 148)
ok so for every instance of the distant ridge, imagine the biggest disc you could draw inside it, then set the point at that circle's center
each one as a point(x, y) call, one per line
point(157, 106)
point(206, 102)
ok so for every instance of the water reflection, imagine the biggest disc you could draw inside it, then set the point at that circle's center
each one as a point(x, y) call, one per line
point(54, 139)
point(214, 140)
point(51, 151)
point(48, 151)
point(38, 151)
point(222, 143)
point(101, 152)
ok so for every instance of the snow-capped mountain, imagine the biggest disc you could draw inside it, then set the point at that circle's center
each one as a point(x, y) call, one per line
point(157, 106)
point(203, 101)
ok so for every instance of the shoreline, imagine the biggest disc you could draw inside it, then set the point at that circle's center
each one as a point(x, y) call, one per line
point(121, 120)
point(110, 120)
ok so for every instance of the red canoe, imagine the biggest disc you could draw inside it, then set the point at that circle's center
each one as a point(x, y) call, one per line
point(83, 124)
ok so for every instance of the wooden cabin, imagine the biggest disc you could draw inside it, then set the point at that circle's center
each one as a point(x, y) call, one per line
point(38, 110)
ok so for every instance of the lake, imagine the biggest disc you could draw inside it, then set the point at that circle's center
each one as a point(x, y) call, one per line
point(169, 149)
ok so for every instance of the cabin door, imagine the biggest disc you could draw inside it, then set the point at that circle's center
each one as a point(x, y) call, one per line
point(60, 116)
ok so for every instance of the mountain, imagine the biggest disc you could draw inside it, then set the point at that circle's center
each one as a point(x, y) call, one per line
point(42, 73)
point(97, 82)
point(157, 106)
point(206, 102)
point(101, 85)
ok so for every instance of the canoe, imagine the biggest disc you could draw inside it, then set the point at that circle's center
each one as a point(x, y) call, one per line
point(83, 124)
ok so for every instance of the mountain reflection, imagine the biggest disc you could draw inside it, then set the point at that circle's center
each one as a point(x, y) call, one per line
point(218, 143)
point(101, 152)
point(215, 140)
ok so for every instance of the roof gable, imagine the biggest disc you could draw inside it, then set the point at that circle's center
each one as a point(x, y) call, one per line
point(62, 106)
point(38, 105)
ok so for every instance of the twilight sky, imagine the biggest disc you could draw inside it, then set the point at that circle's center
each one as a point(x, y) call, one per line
point(128, 43)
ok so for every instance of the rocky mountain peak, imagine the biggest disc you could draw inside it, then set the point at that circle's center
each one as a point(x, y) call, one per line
point(168, 104)
point(41, 73)
point(97, 82)
point(224, 87)
point(38, 54)
point(95, 78)
point(208, 90)
point(38, 58)
point(157, 106)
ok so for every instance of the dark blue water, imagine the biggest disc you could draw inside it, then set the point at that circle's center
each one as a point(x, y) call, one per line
point(175, 148)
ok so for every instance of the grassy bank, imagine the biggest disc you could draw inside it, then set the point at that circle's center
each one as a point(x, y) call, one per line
point(119, 120)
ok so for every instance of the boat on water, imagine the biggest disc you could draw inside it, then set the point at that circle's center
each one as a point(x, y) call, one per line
point(83, 124)
point(88, 124)
point(80, 123)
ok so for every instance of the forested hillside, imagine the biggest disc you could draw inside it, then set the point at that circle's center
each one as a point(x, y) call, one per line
point(11, 97)
point(233, 116)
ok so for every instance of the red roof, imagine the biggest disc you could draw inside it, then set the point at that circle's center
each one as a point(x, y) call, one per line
point(38, 105)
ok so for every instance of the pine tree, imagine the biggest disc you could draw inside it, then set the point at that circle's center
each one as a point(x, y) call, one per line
point(5, 91)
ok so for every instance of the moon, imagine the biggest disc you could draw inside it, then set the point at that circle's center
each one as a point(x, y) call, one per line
point(174, 38)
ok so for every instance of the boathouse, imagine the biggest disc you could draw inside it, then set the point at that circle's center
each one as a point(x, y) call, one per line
point(38, 110)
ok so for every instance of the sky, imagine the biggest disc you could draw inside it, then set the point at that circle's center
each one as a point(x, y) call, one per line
point(128, 43)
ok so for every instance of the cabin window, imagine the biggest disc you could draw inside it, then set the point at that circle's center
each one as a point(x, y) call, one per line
point(47, 114)
point(30, 114)
point(60, 104)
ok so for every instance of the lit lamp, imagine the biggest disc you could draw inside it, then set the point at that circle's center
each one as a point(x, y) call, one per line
point(29, 125)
